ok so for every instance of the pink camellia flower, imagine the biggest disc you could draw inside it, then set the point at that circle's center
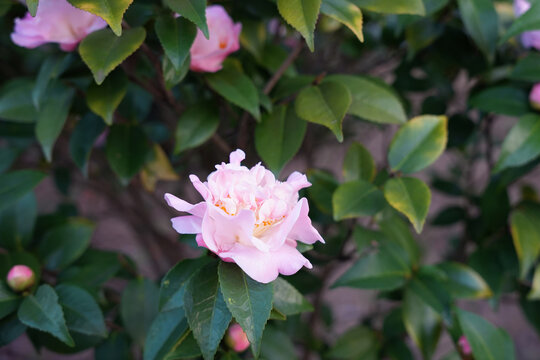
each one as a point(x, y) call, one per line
point(534, 97)
point(250, 218)
point(464, 345)
point(236, 338)
point(208, 54)
point(56, 21)
point(529, 39)
point(20, 278)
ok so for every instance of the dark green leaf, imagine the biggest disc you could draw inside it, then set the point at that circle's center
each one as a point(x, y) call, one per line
point(116, 346)
point(43, 312)
point(51, 69)
point(346, 13)
point(302, 15)
point(193, 10)
point(171, 76)
point(9, 301)
point(166, 330)
point(139, 308)
point(357, 343)
point(527, 68)
point(277, 345)
point(464, 282)
point(358, 164)
point(411, 197)
point(355, 199)
point(482, 24)
point(415, 7)
point(525, 226)
point(92, 269)
point(15, 104)
point(323, 186)
point(526, 22)
point(17, 223)
point(10, 329)
point(504, 100)
point(112, 11)
point(287, 300)
point(186, 349)
point(176, 36)
point(104, 99)
point(249, 301)
point(196, 125)
point(82, 140)
point(16, 184)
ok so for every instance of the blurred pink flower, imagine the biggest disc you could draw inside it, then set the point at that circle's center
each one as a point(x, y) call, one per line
point(249, 218)
point(236, 338)
point(56, 21)
point(20, 278)
point(529, 39)
point(534, 97)
point(464, 345)
point(207, 55)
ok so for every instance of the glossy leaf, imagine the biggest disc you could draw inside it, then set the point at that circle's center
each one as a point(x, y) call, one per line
point(411, 197)
point(356, 198)
point(464, 282)
point(112, 11)
point(528, 68)
point(277, 345)
point(482, 24)
point(521, 145)
point(104, 99)
point(166, 330)
point(413, 7)
point(193, 10)
point(372, 100)
point(525, 227)
point(249, 301)
point(139, 308)
point(503, 100)
point(487, 341)
point(358, 164)
point(43, 312)
point(9, 301)
point(346, 13)
point(237, 88)
point(325, 104)
point(92, 269)
point(16, 184)
point(302, 15)
point(51, 69)
point(278, 137)
point(287, 300)
point(418, 143)
point(172, 76)
point(526, 22)
point(86, 132)
point(17, 223)
point(15, 104)
point(187, 348)
point(64, 244)
point(206, 310)
point(358, 343)
point(103, 51)
point(127, 150)
point(196, 125)
point(176, 36)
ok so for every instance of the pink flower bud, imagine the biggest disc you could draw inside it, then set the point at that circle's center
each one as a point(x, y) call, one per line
point(20, 278)
point(464, 345)
point(236, 338)
point(534, 98)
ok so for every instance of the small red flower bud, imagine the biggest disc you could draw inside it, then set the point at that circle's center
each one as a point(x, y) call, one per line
point(20, 278)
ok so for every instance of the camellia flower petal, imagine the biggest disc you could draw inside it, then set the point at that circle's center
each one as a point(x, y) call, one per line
point(236, 338)
point(20, 278)
point(464, 345)
point(534, 97)
point(249, 218)
point(529, 39)
point(207, 55)
point(56, 21)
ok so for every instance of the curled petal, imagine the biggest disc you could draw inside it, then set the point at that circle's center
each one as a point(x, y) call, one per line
point(187, 224)
point(183, 206)
point(303, 230)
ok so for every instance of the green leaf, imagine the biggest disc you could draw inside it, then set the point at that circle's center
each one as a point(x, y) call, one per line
point(176, 36)
point(277, 345)
point(382, 268)
point(526, 22)
point(82, 313)
point(186, 349)
point(423, 324)
point(112, 11)
point(413, 7)
point(503, 100)
point(86, 132)
point(51, 69)
point(320, 192)
point(174, 283)
point(139, 308)
point(127, 150)
point(527, 68)
point(17, 223)
point(92, 269)
point(171, 76)
point(52, 117)
point(411, 197)
point(521, 145)
point(278, 137)
point(418, 143)
point(249, 301)
point(398, 231)
point(325, 104)
point(372, 100)
point(487, 341)
point(482, 24)
point(358, 164)
point(206, 310)
point(237, 88)
point(356, 198)
point(166, 330)
point(64, 244)
point(15, 104)
point(193, 10)
point(116, 346)
point(358, 343)
point(464, 282)
point(43, 312)
point(102, 51)
point(301, 15)
point(196, 125)
point(9, 301)
point(10, 329)
point(104, 99)
point(287, 300)
point(346, 13)
point(534, 294)
point(16, 184)
point(32, 6)
point(525, 227)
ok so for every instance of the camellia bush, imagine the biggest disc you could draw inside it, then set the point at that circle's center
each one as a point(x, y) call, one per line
point(333, 124)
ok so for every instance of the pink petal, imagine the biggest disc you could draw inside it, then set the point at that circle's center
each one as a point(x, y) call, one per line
point(303, 230)
point(221, 231)
point(178, 204)
point(298, 181)
point(187, 224)
point(201, 188)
